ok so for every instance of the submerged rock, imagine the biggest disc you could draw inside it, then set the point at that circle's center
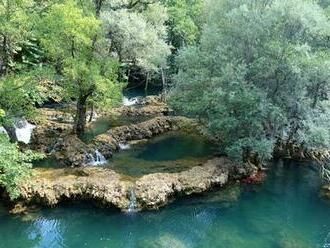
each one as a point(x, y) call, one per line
point(292, 239)
point(164, 241)
point(230, 194)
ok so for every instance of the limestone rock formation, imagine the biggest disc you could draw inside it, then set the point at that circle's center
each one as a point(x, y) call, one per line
point(156, 190)
point(102, 185)
point(52, 186)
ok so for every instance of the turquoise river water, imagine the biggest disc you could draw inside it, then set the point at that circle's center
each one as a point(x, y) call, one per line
point(286, 211)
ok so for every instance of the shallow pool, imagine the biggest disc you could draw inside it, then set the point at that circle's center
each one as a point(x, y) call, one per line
point(284, 212)
point(171, 152)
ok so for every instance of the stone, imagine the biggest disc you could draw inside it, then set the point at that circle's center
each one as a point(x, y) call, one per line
point(19, 208)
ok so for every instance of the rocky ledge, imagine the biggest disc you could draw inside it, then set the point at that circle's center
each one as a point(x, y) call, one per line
point(50, 187)
point(111, 140)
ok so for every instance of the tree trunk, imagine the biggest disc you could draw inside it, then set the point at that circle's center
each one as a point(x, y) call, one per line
point(164, 85)
point(316, 94)
point(5, 60)
point(81, 115)
point(11, 131)
point(91, 116)
point(147, 84)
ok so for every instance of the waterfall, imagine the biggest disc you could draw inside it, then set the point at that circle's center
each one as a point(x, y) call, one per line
point(23, 130)
point(132, 201)
point(95, 159)
point(124, 146)
point(130, 101)
point(3, 130)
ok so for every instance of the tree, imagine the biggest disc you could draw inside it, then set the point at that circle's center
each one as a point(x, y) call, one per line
point(15, 19)
point(73, 39)
point(259, 71)
point(137, 37)
point(185, 21)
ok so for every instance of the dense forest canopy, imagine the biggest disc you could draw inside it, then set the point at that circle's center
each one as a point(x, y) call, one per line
point(252, 72)
point(260, 73)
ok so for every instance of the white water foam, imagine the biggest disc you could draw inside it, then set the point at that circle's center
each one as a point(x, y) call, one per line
point(95, 159)
point(3, 130)
point(130, 101)
point(132, 201)
point(23, 130)
point(124, 146)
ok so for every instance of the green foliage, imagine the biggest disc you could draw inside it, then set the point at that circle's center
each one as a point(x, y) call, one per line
point(16, 20)
point(260, 70)
point(138, 37)
point(65, 31)
point(19, 93)
point(185, 21)
point(94, 78)
point(15, 166)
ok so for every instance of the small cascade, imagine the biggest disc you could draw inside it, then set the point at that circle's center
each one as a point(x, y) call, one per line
point(95, 159)
point(132, 207)
point(3, 130)
point(23, 130)
point(130, 101)
point(124, 146)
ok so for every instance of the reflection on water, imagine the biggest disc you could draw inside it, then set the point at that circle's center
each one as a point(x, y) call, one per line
point(284, 212)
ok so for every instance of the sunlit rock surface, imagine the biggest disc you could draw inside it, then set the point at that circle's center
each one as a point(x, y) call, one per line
point(325, 191)
point(52, 186)
point(102, 185)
